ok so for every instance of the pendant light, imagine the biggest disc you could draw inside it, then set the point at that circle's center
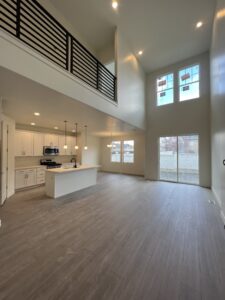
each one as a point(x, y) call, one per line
point(85, 146)
point(65, 145)
point(76, 146)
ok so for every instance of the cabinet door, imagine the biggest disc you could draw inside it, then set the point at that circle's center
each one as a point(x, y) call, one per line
point(38, 144)
point(51, 140)
point(24, 143)
point(30, 177)
point(20, 179)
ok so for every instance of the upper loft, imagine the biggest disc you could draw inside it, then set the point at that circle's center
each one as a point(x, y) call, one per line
point(37, 45)
point(32, 24)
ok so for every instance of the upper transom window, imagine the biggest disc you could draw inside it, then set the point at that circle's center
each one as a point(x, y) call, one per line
point(165, 92)
point(189, 79)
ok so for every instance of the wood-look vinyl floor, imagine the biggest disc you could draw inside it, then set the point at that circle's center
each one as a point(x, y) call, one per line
point(124, 239)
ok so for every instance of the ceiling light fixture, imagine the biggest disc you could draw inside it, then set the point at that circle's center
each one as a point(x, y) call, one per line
point(56, 128)
point(32, 124)
point(199, 24)
point(37, 114)
point(85, 132)
point(65, 146)
point(114, 4)
point(76, 146)
point(140, 52)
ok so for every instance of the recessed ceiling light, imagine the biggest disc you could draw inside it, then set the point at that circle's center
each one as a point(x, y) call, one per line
point(56, 128)
point(114, 4)
point(199, 24)
point(73, 130)
point(32, 124)
point(37, 114)
point(140, 52)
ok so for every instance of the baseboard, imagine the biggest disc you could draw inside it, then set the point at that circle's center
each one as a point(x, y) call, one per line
point(121, 173)
point(218, 201)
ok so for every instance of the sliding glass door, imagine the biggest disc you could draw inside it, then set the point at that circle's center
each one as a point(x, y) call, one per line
point(168, 158)
point(179, 159)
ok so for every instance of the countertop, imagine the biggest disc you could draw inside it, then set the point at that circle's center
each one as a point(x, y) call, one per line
point(30, 167)
point(68, 170)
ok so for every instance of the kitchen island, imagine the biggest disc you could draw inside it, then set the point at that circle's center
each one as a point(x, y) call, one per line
point(63, 181)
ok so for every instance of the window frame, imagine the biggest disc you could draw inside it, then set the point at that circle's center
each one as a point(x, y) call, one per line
point(111, 152)
point(126, 162)
point(156, 87)
point(178, 82)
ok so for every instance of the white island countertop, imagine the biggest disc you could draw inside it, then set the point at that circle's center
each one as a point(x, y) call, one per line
point(63, 170)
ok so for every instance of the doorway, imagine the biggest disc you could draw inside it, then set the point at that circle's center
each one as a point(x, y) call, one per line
point(179, 159)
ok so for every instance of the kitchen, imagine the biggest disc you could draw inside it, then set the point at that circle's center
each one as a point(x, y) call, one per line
point(37, 153)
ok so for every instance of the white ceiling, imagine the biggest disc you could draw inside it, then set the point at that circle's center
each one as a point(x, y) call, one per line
point(22, 97)
point(164, 29)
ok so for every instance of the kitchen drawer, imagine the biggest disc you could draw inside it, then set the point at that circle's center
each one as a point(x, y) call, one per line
point(40, 173)
point(40, 180)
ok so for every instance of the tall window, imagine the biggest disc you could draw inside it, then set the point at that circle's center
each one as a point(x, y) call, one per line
point(116, 151)
point(189, 83)
point(128, 151)
point(165, 93)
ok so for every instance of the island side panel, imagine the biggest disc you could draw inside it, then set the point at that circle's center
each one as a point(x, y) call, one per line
point(70, 182)
point(50, 184)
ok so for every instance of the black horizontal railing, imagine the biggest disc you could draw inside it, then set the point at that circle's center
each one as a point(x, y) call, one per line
point(30, 22)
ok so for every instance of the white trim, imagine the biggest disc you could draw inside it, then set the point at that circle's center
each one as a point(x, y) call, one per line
point(222, 217)
point(218, 201)
point(26, 48)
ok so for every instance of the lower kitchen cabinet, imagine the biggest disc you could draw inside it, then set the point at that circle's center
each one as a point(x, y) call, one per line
point(29, 177)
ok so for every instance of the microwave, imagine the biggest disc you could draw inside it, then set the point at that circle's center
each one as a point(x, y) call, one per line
point(49, 150)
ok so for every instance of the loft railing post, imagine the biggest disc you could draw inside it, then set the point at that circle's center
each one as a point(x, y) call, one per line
point(97, 86)
point(18, 18)
point(71, 54)
point(67, 51)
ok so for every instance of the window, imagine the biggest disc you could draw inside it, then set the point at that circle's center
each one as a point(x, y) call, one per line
point(128, 151)
point(165, 93)
point(116, 151)
point(179, 158)
point(189, 83)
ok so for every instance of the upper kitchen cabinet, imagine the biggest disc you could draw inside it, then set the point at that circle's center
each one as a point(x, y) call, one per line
point(70, 141)
point(24, 143)
point(39, 139)
point(51, 140)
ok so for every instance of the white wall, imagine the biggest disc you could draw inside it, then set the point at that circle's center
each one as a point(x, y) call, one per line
point(92, 155)
point(137, 168)
point(218, 104)
point(130, 83)
point(180, 118)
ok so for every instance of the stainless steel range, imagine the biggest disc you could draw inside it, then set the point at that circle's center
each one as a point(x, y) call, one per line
point(50, 163)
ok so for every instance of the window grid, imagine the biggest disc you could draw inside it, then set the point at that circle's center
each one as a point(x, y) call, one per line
point(128, 151)
point(165, 89)
point(189, 79)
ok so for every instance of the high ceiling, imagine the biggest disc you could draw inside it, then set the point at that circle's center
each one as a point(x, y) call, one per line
point(27, 97)
point(164, 29)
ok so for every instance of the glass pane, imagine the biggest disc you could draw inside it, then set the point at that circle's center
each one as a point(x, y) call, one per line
point(165, 94)
point(190, 91)
point(189, 83)
point(128, 151)
point(115, 151)
point(188, 159)
point(168, 158)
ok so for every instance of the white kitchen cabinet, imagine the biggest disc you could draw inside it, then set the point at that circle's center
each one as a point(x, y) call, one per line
point(38, 144)
point(25, 178)
point(24, 143)
point(72, 142)
point(62, 151)
point(29, 177)
point(51, 140)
